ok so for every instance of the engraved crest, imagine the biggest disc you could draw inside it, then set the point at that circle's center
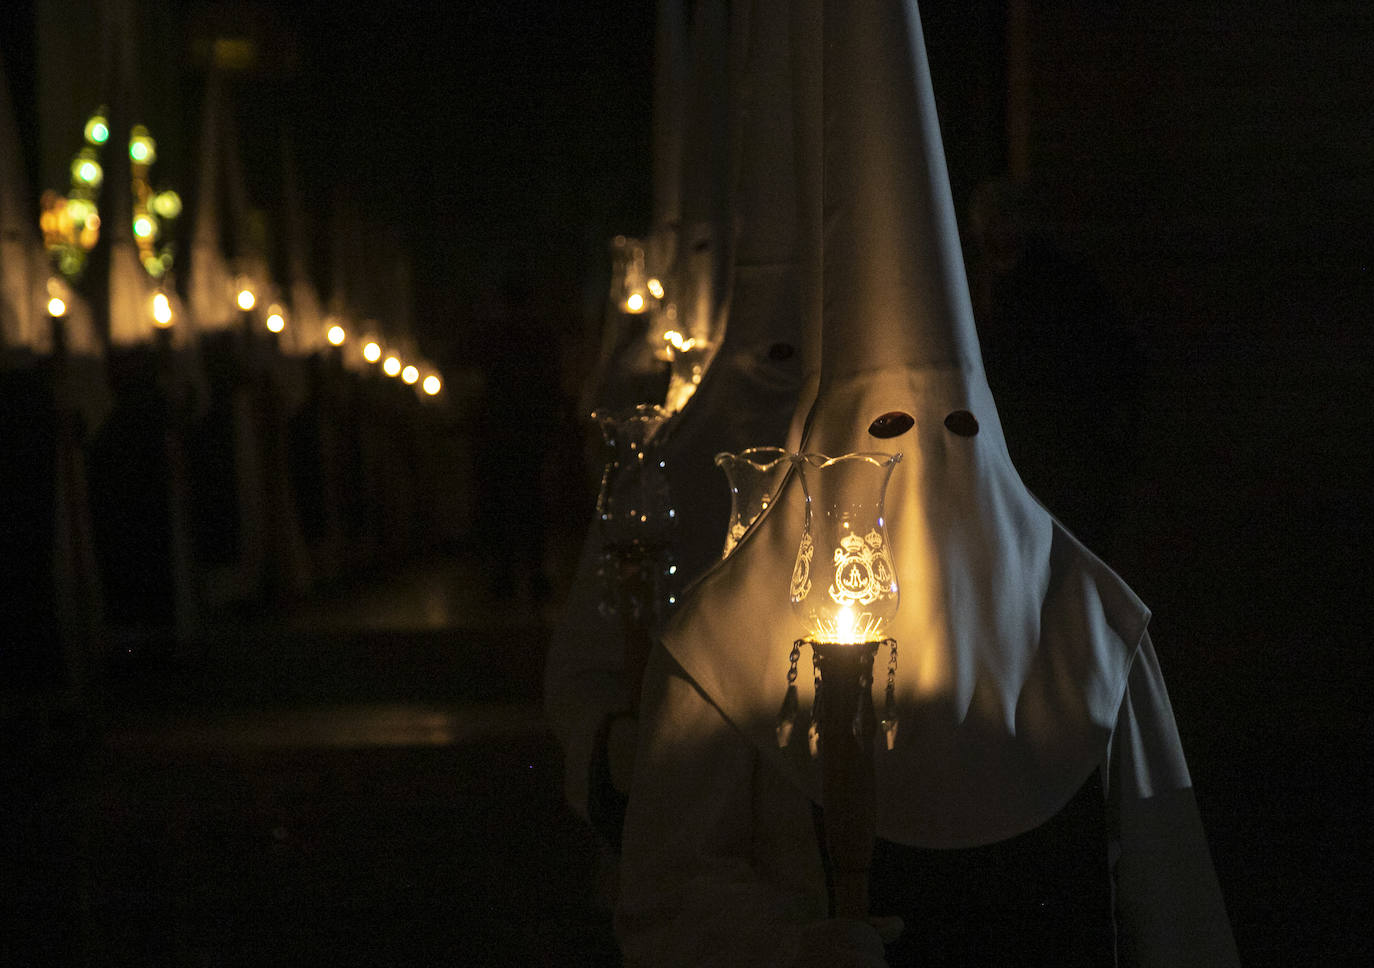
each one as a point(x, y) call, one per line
point(863, 571)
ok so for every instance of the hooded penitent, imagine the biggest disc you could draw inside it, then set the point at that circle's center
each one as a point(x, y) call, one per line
point(1014, 642)
point(747, 396)
point(210, 281)
point(1016, 645)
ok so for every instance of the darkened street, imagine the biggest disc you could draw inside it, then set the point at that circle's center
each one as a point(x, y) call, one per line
point(366, 781)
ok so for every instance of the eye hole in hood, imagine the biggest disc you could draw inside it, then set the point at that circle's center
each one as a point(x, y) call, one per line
point(962, 423)
point(894, 423)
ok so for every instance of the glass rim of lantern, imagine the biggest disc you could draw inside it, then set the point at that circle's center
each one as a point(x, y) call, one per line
point(750, 455)
point(877, 458)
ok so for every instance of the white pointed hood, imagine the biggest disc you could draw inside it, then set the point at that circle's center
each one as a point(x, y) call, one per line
point(129, 288)
point(670, 90)
point(746, 398)
point(210, 281)
point(306, 333)
point(749, 393)
point(706, 240)
point(1014, 640)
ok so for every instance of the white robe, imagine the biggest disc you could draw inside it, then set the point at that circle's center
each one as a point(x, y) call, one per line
point(722, 865)
point(1025, 665)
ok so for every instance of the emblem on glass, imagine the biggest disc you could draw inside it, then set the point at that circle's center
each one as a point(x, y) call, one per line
point(844, 588)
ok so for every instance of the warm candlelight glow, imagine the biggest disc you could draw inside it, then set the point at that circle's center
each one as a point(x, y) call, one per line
point(844, 588)
point(392, 366)
point(167, 204)
point(97, 130)
point(336, 335)
point(372, 352)
point(635, 303)
point(56, 307)
point(431, 385)
point(162, 310)
point(655, 288)
point(142, 147)
point(276, 322)
point(247, 300)
point(87, 171)
point(410, 374)
point(679, 342)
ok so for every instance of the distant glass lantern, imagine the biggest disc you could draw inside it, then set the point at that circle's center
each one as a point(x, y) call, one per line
point(843, 587)
point(142, 147)
point(392, 366)
point(410, 375)
point(753, 476)
point(336, 335)
point(629, 279)
point(162, 310)
point(167, 204)
point(57, 305)
point(79, 210)
point(432, 385)
point(635, 516)
point(86, 170)
point(372, 351)
point(687, 361)
point(97, 129)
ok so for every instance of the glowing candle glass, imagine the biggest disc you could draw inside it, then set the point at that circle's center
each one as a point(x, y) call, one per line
point(844, 587)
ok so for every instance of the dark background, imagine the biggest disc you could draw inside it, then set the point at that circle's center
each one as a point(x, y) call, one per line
point(1209, 163)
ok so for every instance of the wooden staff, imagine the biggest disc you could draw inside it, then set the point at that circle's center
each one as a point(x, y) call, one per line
point(847, 727)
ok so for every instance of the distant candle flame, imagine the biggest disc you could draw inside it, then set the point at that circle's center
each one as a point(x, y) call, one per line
point(162, 310)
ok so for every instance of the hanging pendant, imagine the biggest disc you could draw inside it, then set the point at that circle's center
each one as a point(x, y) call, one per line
point(864, 708)
point(813, 732)
point(890, 722)
point(787, 715)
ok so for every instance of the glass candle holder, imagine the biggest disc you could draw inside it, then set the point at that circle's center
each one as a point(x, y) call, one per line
point(635, 514)
point(844, 588)
point(753, 475)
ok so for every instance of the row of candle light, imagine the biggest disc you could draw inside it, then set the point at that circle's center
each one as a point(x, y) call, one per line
point(160, 307)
